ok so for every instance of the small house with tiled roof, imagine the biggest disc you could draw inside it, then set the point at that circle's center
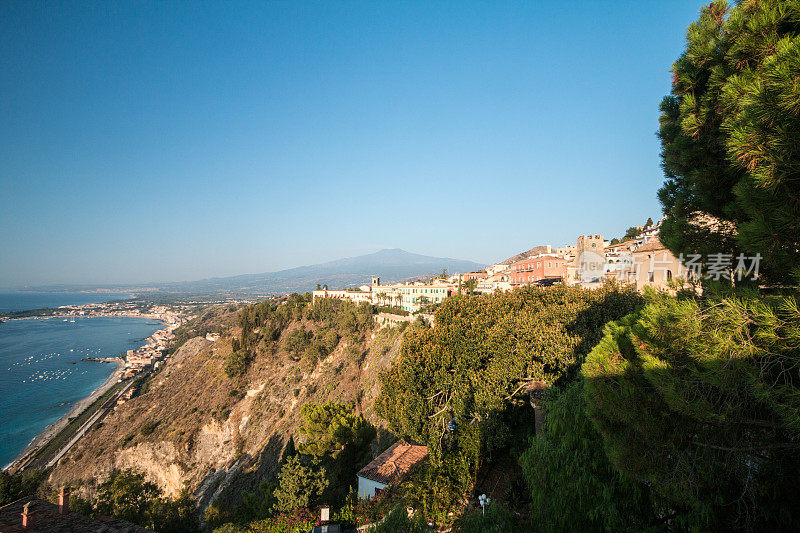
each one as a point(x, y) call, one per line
point(389, 467)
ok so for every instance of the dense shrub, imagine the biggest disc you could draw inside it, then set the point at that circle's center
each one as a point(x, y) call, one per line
point(297, 340)
point(573, 486)
point(236, 363)
point(495, 518)
point(294, 521)
point(14, 487)
point(126, 495)
point(451, 380)
point(300, 482)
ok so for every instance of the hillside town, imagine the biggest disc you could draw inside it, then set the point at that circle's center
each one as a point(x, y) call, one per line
point(150, 355)
point(641, 260)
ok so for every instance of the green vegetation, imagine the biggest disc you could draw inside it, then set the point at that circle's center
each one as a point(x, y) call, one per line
point(126, 495)
point(148, 428)
point(730, 133)
point(573, 486)
point(14, 487)
point(631, 233)
point(331, 429)
point(336, 446)
point(391, 310)
point(453, 385)
point(301, 482)
point(262, 324)
point(701, 399)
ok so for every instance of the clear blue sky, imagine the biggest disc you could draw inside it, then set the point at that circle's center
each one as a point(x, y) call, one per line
point(169, 141)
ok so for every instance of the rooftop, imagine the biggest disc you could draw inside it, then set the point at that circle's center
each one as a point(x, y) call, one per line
point(653, 246)
point(394, 463)
point(46, 518)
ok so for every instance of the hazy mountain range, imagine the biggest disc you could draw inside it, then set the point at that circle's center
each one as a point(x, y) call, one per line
point(390, 264)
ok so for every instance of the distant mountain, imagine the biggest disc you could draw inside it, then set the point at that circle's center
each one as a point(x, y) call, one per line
point(390, 264)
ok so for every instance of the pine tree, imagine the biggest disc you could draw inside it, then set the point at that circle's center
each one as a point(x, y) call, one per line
point(700, 399)
point(730, 134)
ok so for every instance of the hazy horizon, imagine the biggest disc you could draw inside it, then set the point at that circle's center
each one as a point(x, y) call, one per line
point(123, 284)
point(150, 143)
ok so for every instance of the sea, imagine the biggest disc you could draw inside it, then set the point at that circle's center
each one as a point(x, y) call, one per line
point(41, 372)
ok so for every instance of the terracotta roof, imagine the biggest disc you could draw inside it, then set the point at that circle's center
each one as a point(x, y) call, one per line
point(46, 518)
point(653, 246)
point(394, 463)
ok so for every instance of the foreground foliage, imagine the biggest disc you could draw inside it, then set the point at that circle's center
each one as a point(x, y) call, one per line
point(452, 384)
point(14, 487)
point(730, 135)
point(701, 399)
point(126, 495)
point(574, 487)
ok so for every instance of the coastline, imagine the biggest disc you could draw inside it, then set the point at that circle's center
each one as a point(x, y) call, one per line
point(44, 437)
point(53, 429)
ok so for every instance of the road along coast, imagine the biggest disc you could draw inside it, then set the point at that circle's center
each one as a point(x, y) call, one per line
point(77, 421)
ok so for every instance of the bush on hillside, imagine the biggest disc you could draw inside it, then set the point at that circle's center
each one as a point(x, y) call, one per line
point(300, 483)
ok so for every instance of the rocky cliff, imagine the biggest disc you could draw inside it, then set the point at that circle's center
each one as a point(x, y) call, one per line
point(192, 425)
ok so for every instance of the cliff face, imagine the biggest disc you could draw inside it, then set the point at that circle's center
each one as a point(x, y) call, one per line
point(194, 426)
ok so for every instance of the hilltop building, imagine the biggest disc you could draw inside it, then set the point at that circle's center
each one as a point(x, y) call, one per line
point(537, 268)
point(410, 297)
point(653, 266)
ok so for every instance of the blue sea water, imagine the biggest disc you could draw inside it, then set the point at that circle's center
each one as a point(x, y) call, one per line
point(38, 382)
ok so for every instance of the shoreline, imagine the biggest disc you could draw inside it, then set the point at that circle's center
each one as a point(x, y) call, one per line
point(99, 315)
point(43, 437)
point(53, 429)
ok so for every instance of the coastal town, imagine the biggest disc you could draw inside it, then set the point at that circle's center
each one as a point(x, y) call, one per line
point(640, 260)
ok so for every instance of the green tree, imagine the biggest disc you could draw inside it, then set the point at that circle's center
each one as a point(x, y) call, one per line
point(177, 515)
point(469, 286)
point(297, 340)
point(574, 487)
point(701, 399)
point(16, 486)
point(631, 233)
point(126, 495)
point(330, 428)
point(730, 135)
point(300, 483)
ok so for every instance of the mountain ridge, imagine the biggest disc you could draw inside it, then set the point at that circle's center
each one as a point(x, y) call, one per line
point(390, 264)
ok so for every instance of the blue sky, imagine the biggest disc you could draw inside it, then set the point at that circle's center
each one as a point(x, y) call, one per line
point(172, 141)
